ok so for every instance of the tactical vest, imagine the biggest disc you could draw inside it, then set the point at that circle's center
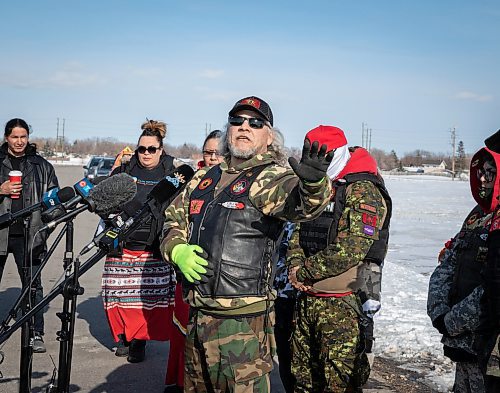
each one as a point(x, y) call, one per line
point(471, 250)
point(317, 234)
point(241, 242)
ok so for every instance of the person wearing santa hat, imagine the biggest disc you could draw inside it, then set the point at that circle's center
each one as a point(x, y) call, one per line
point(331, 260)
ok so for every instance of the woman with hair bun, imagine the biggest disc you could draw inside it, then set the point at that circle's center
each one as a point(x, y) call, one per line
point(138, 287)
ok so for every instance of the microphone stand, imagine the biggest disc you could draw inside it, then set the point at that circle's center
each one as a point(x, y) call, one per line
point(14, 310)
point(27, 330)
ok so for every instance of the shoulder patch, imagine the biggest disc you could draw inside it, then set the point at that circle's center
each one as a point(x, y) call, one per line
point(368, 208)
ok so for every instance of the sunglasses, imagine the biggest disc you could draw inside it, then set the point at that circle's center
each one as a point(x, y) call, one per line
point(210, 153)
point(253, 122)
point(489, 174)
point(149, 149)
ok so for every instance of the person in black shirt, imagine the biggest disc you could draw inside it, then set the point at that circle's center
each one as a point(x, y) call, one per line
point(38, 176)
point(138, 286)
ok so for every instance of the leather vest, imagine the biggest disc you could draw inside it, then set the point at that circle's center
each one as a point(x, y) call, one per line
point(241, 242)
point(471, 251)
point(317, 234)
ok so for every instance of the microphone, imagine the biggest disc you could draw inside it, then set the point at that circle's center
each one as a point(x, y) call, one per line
point(105, 198)
point(50, 199)
point(109, 238)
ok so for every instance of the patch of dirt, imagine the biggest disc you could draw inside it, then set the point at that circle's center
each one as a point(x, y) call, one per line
point(388, 375)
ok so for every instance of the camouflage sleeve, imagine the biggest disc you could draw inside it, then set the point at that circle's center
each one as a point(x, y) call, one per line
point(358, 228)
point(465, 316)
point(175, 227)
point(278, 192)
point(440, 285)
point(295, 255)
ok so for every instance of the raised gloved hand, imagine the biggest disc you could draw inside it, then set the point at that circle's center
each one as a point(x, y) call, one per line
point(314, 162)
point(191, 260)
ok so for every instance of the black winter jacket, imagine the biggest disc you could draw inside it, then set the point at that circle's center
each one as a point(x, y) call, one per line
point(38, 177)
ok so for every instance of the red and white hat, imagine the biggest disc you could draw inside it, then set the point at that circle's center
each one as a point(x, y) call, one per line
point(335, 139)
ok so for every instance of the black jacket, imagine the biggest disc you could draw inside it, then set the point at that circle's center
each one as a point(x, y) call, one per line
point(38, 177)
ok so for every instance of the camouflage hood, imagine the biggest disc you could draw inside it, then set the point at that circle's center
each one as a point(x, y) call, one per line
point(487, 204)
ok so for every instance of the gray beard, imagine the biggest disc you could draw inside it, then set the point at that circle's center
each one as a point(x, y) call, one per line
point(242, 154)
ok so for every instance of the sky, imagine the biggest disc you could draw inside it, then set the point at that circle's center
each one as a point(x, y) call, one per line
point(410, 71)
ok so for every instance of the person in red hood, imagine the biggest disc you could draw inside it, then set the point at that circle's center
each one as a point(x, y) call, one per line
point(330, 261)
point(455, 298)
point(491, 353)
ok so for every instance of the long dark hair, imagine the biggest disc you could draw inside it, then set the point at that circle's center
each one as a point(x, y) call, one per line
point(13, 123)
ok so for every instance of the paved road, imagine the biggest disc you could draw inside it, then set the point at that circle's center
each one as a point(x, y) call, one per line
point(95, 369)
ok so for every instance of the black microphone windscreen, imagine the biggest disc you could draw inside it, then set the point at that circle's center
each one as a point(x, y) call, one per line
point(65, 194)
point(171, 184)
point(112, 193)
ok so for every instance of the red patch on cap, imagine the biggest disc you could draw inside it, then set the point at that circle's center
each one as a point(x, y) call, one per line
point(251, 101)
point(369, 219)
point(195, 206)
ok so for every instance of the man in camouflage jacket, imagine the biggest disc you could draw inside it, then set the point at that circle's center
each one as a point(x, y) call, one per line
point(456, 288)
point(223, 232)
point(329, 258)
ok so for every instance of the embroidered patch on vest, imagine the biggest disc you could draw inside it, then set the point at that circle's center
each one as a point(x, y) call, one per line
point(369, 219)
point(472, 219)
point(495, 225)
point(195, 206)
point(239, 187)
point(368, 208)
point(233, 205)
point(368, 230)
point(205, 183)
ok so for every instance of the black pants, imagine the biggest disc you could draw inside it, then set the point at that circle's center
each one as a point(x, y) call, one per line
point(284, 308)
point(16, 248)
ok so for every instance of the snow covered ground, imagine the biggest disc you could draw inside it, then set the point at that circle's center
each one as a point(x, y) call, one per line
point(427, 211)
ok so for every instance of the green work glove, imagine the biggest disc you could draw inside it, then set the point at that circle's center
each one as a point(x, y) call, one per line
point(313, 163)
point(191, 260)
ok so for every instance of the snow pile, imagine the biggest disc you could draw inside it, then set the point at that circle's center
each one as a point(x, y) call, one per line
point(427, 211)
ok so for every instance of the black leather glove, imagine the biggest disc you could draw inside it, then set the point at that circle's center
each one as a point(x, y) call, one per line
point(439, 324)
point(314, 162)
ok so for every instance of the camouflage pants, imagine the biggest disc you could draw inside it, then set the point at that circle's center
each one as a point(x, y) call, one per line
point(468, 378)
point(328, 349)
point(229, 354)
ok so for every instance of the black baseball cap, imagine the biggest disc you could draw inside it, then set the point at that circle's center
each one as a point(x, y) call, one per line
point(254, 104)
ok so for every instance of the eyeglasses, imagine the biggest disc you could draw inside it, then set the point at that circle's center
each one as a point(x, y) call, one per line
point(210, 153)
point(253, 122)
point(149, 149)
point(489, 174)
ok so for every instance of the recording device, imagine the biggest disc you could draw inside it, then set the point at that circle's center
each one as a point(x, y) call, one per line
point(50, 199)
point(82, 188)
point(106, 198)
point(109, 238)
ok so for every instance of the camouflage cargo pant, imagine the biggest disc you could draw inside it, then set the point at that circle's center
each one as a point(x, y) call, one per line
point(328, 351)
point(468, 378)
point(229, 354)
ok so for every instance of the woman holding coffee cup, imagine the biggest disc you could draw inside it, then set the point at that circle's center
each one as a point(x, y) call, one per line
point(24, 177)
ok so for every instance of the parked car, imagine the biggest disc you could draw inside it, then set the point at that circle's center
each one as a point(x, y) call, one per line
point(88, 169)
point(103, 168)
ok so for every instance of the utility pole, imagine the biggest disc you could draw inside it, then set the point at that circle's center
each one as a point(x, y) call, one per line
point(453, 138)
point(57, 138)
point(369, 140)
point(363, 134)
